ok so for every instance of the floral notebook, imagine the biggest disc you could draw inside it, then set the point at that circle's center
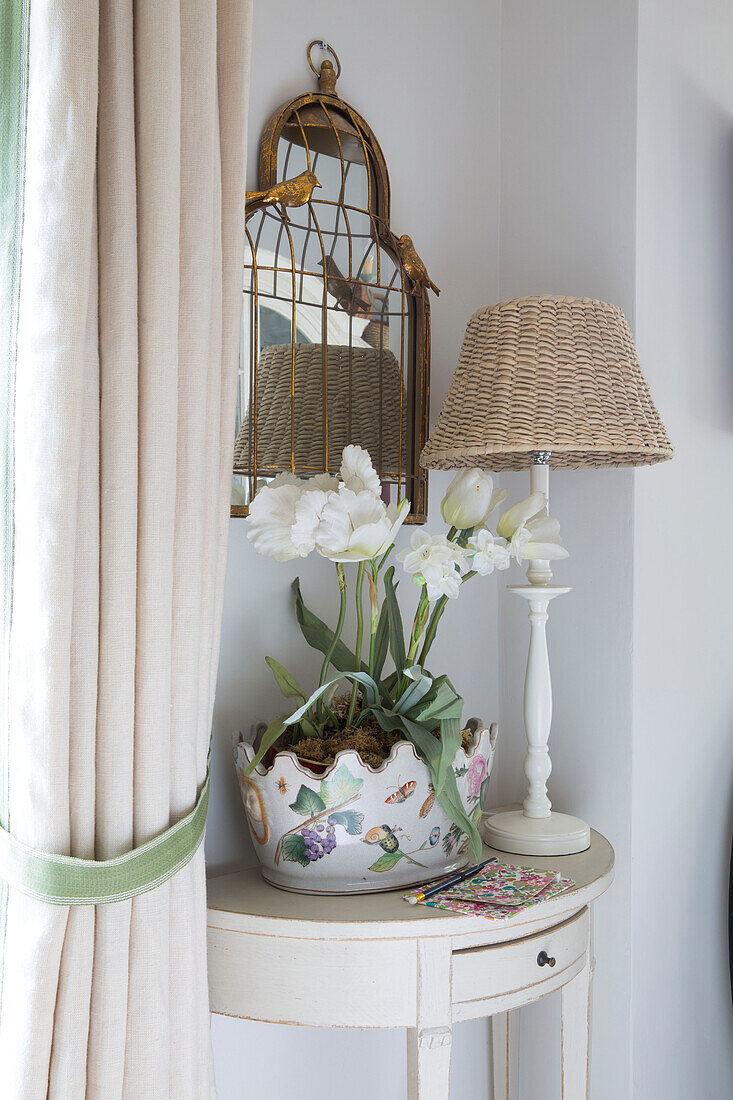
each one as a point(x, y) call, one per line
point(499, 891)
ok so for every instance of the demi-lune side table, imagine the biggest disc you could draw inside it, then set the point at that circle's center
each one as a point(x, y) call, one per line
point(411, 966)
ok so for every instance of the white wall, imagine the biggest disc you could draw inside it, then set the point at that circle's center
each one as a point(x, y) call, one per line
point(567, 227)
point(543, 177)
point(428, 83)
point(683, 524)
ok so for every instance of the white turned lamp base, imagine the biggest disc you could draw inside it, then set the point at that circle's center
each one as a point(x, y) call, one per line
point(556, 835)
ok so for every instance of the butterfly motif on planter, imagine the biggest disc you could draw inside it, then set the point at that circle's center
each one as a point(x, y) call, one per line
point(401, 793)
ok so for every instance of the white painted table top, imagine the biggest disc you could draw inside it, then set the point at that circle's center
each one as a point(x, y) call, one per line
point(243, 902)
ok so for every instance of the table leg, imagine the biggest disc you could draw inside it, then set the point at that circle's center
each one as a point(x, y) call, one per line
point(429, 1044)
point(504, 1029)
point(575, 1036)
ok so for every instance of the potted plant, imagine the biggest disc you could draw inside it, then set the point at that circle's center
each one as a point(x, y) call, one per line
point(380, 785)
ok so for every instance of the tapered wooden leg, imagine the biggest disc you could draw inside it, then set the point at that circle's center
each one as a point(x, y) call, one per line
point(429, 1044)
point(504, 1030)
point(576, 1036)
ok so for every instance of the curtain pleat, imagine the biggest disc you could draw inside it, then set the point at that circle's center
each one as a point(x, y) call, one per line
point(118, 455)
point(127, 355)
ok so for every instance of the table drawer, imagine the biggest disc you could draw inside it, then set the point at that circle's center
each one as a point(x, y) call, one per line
point(483, 972)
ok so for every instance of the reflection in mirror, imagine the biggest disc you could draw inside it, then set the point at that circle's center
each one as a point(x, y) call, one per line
point(334, 341)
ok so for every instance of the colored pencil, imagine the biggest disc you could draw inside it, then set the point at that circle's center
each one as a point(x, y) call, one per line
point(452, 880)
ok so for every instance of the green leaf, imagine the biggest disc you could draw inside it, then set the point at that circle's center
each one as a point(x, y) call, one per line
point(309, 728)
point(387, 861)
point(450, 799)
point(394, 621)
point(381, 642)
point(349, 819)
point(275, 730)
point(341, 787)
point(442, 701)
point(450, 743)
point(308, 803)
point(293, 848)
point(319, 636)
point(436, 752)
point(284, 680)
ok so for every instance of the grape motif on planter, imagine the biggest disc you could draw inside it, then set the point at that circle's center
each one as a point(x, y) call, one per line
point(319, 841)
point(324, 809)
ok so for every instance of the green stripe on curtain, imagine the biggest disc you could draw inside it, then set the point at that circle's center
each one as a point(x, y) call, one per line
point(13, 104)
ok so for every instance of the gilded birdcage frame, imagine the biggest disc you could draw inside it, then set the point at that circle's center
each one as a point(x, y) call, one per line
point(371, 388)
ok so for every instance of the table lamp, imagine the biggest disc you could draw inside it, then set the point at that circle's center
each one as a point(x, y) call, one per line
point(545, 382)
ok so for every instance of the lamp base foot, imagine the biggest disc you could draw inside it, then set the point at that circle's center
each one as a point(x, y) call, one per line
point(556, 835)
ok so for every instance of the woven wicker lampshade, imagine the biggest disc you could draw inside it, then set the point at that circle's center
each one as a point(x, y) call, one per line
point(547, 374)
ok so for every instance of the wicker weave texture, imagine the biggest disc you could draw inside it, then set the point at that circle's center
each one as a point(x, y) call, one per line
point(365, 396)
point(548, 374)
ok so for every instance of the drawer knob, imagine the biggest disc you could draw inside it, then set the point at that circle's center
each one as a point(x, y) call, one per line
point(543, 959)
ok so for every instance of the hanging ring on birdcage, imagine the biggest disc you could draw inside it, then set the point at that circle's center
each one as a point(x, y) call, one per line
point(324, 46)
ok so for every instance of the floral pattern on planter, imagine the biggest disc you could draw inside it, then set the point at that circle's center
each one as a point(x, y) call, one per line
point(355, 829)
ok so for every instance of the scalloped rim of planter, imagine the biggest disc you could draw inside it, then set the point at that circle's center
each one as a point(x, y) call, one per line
point(477, 728)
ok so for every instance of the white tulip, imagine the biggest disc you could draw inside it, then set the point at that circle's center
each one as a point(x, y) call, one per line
point(518, 514)
point(271, 517)
point(544, 539)
point(470, 499)
point(357, 471)
point(531, 533)
point(308, 511)
point(357, 526)
point(327, 482)
point(488, 553)
point(396, 514)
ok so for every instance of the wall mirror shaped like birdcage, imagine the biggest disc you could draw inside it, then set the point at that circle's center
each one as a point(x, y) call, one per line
point(336, 319)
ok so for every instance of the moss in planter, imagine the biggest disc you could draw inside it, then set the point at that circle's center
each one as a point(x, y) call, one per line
point(368, 739)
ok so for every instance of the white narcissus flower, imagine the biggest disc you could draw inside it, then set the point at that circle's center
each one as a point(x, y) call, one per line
point(357, 526)
point(488, 553)
point(531, 533)
point(445, 583)
point(470, 499)
point(271, 517)
point(436, 562)
point(357, 471)
point(428, 550)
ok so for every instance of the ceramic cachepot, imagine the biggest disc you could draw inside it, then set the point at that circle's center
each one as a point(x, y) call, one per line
point(353, 829)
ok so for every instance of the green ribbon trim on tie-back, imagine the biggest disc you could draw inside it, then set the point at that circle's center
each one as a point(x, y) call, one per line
point(65, 880)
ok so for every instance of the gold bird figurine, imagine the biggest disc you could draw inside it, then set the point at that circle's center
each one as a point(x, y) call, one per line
point(294, 192)
point(413, 265)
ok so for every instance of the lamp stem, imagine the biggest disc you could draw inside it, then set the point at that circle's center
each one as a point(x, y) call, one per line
point(537, 829)
point(537, 709)
point(538, 570)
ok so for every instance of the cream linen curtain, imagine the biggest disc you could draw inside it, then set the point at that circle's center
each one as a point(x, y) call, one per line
point(122, 147)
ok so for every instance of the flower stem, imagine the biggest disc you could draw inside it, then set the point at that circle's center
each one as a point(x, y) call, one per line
point(373, 578)
point(421, 617)
point(336, 636)
point(435, 619)
point(359, 637)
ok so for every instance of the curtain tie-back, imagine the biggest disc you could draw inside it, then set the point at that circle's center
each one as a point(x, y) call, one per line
point(66, 880)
